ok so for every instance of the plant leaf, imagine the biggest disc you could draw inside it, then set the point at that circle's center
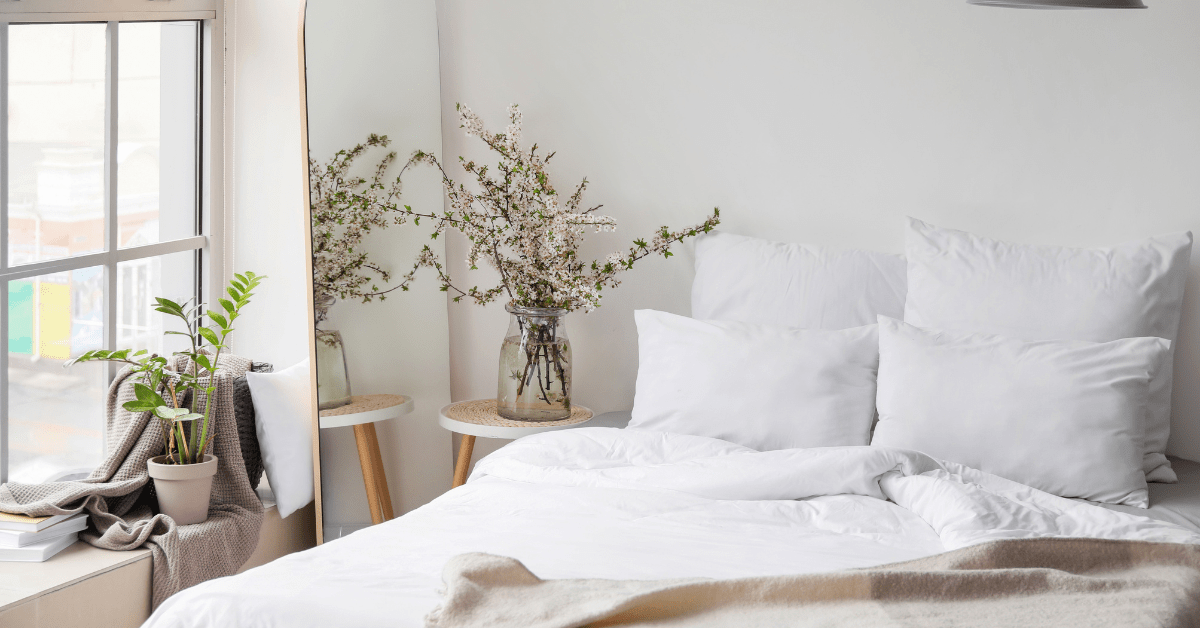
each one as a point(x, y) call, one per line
point(147, 395)
point(163, 412)
point(167, 304)
point(209, 335)
point(202, 360)
point(138, 406)
point(220, 320)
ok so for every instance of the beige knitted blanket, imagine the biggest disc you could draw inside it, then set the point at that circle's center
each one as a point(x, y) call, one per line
point(116, 494)
point(1029, 583)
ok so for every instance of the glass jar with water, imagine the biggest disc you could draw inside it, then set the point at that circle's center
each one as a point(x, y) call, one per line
point(534, 382)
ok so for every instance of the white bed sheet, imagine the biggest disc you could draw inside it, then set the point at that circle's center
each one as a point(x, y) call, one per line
point(607, 503)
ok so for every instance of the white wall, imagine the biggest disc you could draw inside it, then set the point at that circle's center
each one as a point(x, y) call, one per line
point(265, 177)
point(372, 67)
point(827, 122)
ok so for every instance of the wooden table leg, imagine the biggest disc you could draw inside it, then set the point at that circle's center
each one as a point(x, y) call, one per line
point(464, 460)
point(374, 478)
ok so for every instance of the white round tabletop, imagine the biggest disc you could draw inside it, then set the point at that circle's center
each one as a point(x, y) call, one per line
point(479, 418)
point(366, 409)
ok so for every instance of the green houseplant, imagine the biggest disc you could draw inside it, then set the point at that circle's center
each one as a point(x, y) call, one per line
point(182, 400)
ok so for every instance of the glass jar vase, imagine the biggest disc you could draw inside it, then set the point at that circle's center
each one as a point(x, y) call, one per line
point(333, 380)
point(534, 382)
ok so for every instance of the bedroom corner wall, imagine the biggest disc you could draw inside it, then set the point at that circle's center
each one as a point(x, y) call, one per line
point(264, 177)
point(373, 68)
point(828, 122)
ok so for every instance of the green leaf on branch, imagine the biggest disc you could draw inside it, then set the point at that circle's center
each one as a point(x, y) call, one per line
point(168, 304)
point(138, 406)
point(202, 360)
point(209, 335)
point(146, 395)
point(218, 319)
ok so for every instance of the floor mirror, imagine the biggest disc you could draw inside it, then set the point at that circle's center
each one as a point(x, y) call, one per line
point(370, 72)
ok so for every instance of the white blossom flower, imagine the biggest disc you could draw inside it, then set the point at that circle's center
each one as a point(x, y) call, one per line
point(516, 223)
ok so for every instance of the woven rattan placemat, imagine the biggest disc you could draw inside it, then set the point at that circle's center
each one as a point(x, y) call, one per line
point(365, 403)
point(483, 412)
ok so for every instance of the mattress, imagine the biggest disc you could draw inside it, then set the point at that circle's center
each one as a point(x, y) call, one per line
point(635, 504)
point(1177, 503)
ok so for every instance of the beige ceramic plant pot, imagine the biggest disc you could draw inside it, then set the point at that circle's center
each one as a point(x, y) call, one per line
point(184, 490)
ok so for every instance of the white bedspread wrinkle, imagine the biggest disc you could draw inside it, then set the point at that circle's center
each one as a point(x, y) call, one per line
point(636, 504)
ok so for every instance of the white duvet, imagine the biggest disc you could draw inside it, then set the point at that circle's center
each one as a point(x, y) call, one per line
point(609, 503)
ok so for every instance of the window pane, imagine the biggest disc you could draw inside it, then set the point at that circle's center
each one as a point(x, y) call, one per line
point(56, 414)
point(156, 127)
point(138, 282)
point(56, 140)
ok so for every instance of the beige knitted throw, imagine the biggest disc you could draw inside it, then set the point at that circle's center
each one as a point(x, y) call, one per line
point(115, 494)
point(1028, 583)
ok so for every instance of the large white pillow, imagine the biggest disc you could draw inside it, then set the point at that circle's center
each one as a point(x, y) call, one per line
point(752, 280)
point(1061, 416)
point(962, 282)
point(283, 421)
point(761, 386)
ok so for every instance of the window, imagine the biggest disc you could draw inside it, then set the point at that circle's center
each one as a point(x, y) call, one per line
point(109, 196)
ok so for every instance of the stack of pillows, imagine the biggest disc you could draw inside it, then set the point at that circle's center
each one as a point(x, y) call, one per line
point(1045, 365)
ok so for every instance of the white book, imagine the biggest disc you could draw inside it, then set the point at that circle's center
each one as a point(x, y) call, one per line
point(38, 552)
point(12, 538)
point(25, 523)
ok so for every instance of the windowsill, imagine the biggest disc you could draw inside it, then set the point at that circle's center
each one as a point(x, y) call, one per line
point(26, 585)
point(22, 582)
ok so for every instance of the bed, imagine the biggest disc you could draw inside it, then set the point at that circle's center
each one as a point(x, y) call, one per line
point(636, 504)
point(850, 440)
point(1177, 503)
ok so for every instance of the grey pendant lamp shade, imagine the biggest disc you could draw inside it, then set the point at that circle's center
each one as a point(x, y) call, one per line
point(1061, 4)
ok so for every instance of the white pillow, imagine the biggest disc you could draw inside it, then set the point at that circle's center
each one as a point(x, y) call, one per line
point(1061, 416)
point(283, 421)
point(761, 386)
point(752, 280)
point(962, 282)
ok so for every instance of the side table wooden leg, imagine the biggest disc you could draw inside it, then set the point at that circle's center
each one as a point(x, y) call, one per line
point(374, 479)
point(464, 460)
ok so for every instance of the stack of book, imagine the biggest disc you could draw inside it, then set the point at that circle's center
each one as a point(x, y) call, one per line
point(35, 539)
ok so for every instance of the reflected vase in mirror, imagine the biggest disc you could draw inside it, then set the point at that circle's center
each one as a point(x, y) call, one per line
point(333, 379)
point(534, 381)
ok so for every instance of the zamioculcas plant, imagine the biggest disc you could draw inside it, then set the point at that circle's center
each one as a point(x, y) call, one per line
point(185, 418)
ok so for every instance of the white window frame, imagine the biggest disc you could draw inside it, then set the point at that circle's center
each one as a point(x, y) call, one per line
point(210, 267)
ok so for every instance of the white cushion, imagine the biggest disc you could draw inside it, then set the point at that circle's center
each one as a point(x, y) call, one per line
point(1061, 416)
point(962, 282)
point(752, 280)
point(283, 421)
point(761, 386)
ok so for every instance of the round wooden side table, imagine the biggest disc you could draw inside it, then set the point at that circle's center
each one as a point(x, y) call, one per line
point(479, 418)
point(362, 413)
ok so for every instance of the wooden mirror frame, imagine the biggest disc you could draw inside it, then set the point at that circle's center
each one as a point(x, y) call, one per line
point(312, 340)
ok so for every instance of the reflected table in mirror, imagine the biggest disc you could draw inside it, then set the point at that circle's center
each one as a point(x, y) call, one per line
point(478, 417)
point(362, 413)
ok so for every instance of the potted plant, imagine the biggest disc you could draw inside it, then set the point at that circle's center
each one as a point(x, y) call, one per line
point(517, 223)
point(183, 474)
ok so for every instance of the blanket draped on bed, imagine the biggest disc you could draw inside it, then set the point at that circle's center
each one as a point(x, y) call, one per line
point(1033, 583)
point(121, 510)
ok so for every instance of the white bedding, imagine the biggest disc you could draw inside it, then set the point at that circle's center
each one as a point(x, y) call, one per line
point(609, 503)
